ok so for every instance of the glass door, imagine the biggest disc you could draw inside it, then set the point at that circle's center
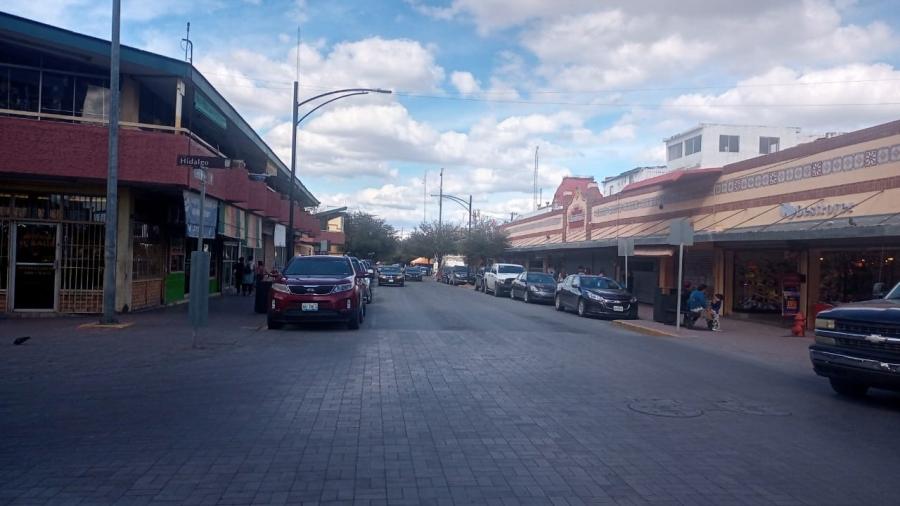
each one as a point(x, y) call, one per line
point(35, 272)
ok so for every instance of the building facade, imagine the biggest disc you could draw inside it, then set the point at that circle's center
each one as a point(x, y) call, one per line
point(617, 183)
point(790, 231)
point(54, 103)
point(715, 145)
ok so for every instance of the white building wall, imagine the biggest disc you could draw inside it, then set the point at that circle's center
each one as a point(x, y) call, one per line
point(710, 156)
point(614, 185)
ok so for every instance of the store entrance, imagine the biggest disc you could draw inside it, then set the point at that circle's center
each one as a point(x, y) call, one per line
point(759, 278)
point(35, 272)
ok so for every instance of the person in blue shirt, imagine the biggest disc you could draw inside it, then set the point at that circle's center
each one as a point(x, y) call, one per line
point(697, 302)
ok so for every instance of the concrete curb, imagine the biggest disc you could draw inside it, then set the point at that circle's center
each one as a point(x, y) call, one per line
point(636, 326)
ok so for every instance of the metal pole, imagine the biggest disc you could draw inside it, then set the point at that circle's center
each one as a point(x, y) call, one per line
point(441, 203)
point(112, 178)
point(470, 215)
point(290, 230)
point(202, 209)
point(678, 302)
point(425, 197)
point(626, 272)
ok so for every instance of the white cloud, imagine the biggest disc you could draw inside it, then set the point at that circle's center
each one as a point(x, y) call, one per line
point(820, 100)
point(465, 83)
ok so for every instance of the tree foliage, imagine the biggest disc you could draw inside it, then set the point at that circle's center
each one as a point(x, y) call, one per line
point(486, 241)
point(368, 236)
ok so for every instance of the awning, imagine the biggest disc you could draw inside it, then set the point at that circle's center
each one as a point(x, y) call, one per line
point(231, 221)
point(653, 252)
point(253, 231)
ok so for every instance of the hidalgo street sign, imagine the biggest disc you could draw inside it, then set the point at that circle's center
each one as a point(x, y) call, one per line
point(204, 162)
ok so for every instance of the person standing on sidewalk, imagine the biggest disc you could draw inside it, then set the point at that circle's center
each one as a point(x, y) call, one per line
point(238, 274)
point(248, 278)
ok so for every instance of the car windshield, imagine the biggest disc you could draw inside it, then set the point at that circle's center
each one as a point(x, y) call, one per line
point(539, 277)
point(390, 270)
point(599, 283)
point(459, 269)
point(319, 267)
point(894, 294)
point(510, 269)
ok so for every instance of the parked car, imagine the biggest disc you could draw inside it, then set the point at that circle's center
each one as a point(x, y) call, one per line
point(458, 275)
point(533, 287)
point(478, 280)
point(360, 266)
point(414, 274)
point(857, 345)
point(498, 279)
point(318, 288)
point(390, 275)
point(595, 295)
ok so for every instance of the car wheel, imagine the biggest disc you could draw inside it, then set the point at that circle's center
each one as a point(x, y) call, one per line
point(558, 304)
point(526, 298)
point(496, 291)
point(355, 320)
point(273, 325)
point(581, 308)
point(848, 388)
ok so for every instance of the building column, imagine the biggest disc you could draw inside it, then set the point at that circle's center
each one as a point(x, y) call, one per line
point(124, 250)
point(728, 273)
point(813, 281)
point(179, 99)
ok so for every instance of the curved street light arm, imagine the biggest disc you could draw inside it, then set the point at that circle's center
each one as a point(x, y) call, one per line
point(323, 104)
point(458, 200)
point(346, 90)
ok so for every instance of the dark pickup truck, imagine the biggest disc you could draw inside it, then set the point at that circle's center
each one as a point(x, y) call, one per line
point(858, 345)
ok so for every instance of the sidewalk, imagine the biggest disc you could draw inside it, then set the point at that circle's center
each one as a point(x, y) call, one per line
point(757, 341)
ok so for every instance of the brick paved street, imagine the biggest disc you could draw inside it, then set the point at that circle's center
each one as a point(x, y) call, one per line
point(446, 396)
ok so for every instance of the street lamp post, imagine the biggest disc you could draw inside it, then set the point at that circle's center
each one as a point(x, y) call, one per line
point(295, 123)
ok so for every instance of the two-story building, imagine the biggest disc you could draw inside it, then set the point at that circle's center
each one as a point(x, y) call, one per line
point(54, 111)
point(717, 145)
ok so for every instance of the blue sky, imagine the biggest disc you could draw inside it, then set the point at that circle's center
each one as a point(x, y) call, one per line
point(479, 83)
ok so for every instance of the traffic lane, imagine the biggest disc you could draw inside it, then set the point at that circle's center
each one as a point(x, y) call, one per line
point(786, 409)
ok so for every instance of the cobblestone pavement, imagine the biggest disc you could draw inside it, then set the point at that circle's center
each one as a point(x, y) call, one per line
point(446, 396)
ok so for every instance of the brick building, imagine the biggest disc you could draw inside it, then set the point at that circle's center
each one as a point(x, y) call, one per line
point(54, 100)
point(814, 224)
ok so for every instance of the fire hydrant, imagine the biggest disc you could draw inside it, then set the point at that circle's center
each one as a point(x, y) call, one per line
point(799, 328)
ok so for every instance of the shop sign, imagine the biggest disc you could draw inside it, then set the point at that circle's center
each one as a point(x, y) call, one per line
point(790, 295)
point(793, 211)
point(576, 215)
point(192, 215)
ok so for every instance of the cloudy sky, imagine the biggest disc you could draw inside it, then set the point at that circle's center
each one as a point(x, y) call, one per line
point(479, 83)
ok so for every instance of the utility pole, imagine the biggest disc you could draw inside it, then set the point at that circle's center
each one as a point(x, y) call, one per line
point(425, 197)
point(534, 195)
point(112, 177)
point(441, 203)
point(470, 215)
point(295, 108)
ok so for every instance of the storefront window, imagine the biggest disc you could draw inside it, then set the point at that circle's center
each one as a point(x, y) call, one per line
point(758, 277)
point(57, 93)
point(4, 256)
point(23, 89)
point(849, 276)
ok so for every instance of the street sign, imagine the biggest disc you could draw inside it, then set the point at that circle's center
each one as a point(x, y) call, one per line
point(626, 246)
point(204, 176)
point(204, 162)
point(681, 231)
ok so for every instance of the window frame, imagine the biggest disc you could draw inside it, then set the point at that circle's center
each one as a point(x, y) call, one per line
point(698, 139)
point(769, 144)
point(725, 143)
point(680, 146)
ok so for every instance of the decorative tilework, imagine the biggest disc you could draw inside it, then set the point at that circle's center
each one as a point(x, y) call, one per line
point(815, 169)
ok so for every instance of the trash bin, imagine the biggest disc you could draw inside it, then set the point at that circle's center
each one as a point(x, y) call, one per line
point(664, 306)
point(262, 296)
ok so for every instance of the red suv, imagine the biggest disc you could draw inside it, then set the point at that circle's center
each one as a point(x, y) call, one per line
point(318, 289)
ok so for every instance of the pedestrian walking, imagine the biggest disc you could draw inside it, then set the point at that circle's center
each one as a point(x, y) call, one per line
point(238, 275)
point(248, 278)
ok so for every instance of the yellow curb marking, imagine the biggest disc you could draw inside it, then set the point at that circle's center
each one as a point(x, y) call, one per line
point(637, 327)
point(123, 325)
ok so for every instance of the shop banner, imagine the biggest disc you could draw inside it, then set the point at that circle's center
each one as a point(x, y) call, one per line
point(230, 221)
point(280, 235)
point(253, 237)
point(192, 215)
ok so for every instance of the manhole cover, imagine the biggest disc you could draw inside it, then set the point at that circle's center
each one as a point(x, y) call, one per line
point(751, 408)
point(664, 407)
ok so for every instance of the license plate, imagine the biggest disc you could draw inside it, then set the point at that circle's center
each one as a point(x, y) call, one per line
point(309, 306)
point(618, 308)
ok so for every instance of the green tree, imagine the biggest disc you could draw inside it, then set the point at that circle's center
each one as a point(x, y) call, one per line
point(430, 240)
point(486, 241)
point(368, 236)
